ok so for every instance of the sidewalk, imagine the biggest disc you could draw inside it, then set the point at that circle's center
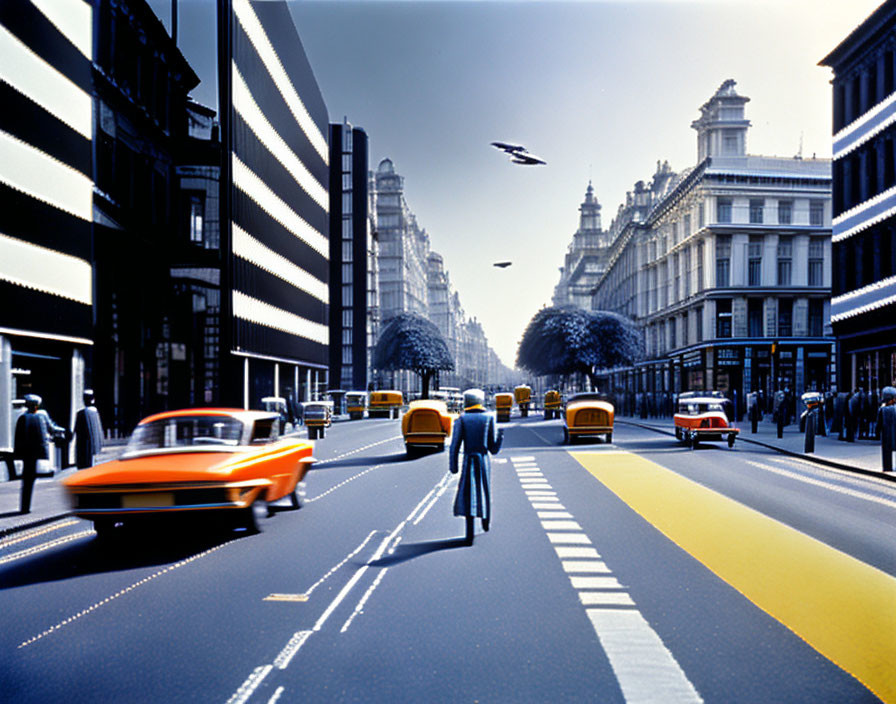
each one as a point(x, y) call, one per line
point(861, 456)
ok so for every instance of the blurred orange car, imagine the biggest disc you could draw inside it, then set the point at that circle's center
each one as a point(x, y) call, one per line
point(426, 425)
point(228, 462)
point(588, 414)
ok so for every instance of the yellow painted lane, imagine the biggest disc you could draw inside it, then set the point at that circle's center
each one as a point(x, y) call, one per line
point(842, 607)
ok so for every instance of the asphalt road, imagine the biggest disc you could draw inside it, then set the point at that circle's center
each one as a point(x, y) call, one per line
point(637, 571)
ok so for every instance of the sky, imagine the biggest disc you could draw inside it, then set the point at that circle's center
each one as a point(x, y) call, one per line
point(601, 90)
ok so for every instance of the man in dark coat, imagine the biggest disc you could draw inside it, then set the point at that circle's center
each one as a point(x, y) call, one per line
point(886, 425)
point(32, 443)
point(88, 432)
point(477, 431)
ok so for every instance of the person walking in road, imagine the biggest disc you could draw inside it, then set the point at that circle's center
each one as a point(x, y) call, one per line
point(886, 426)
point(476, 429)
point(32, 443)
point(88, 432)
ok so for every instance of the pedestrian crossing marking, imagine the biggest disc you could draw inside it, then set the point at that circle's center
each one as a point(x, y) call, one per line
point(843, 607)
point(605, 599)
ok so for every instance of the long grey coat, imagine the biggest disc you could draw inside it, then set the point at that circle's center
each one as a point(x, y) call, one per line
point(477, 431)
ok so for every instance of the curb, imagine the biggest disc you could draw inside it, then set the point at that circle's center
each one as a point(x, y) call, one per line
point(888, 476)
point(32, 524)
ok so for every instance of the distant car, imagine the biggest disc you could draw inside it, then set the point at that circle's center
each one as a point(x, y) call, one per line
point(503, 406)
point(702, 417)
point(385, 404)
point(553, 404)
point(277, 404)
point(318, 417)
point(229, 462)
point(426, 425)
point(356, 404)
point(522, 395)
point(588, 415)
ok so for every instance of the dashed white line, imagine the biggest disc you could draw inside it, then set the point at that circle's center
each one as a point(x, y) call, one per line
point(585, 567)
point(605, 599)
point(276, 695)
point(335, 567)
point(567, 551)
point(572, 538)
point(34, 533)
point(290, 649)
point(560, 525)
point(247, 689)
point(45, 546)
point(360, 607)
point(545, 505)
point(594, 582)
point(554, 514)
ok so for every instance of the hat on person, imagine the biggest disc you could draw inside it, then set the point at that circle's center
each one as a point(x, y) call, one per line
point(888, 393)
point(32, 400)
point(474, 399)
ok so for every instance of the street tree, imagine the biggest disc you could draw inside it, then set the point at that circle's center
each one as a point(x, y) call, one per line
point(411, 342)
point(563, 340)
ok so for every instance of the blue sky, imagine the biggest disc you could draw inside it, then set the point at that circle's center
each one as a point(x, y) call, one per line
point(601, 90)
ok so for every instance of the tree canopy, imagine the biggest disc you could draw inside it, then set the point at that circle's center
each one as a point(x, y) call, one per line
point(410, 341)
point(566, 339)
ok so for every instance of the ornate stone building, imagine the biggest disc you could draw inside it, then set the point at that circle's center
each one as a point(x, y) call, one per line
point(586, 256)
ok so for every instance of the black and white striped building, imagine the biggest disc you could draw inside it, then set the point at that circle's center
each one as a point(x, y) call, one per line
point(46, 205)
point(275, 189)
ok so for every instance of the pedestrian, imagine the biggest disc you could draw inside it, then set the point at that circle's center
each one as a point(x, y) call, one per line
point(854, 405)
point(88, 432)
point(32, 443)
point(476, 429)
point(886, 425)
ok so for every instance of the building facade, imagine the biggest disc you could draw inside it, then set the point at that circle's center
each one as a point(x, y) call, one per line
point(46, 187)
point(863, 307)
point(726, 268)
point(351, 241)
point(586, 257)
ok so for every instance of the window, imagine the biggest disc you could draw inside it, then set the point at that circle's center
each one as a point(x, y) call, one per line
point(785, 317)
point(699, 266)
point(347, 296)
point(346, 250)
point(676, 272)
point(754, 317)
point(670, 324)
point(346, 182)
point(816, 261)
point(816, 213)
point(686, 268)
point(687, 224)
point(754, 263)
point(701, 217)
point(699, 314)
point(730, 142)
point(757, 205)
point(723, 317)
point(197, 215)
point(785, 212)
point(346, 140)
point(723, 261)
point(723, 210)
point(816, 317)
point(785, 251)
point(347, 203)
point(347, 273)
point(684, 330)
point(346, 162)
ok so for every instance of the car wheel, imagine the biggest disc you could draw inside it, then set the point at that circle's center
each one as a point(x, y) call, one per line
point(694, 441)
point(731, 439)
point(294, 499)
point(678, 434)
point(565, 435)
point(105, 528)
point(252, 515)
point(321, 433)
point(609, 438)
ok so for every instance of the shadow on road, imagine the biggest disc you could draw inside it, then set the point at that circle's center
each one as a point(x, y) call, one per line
point(409, 551)
point(134, 548)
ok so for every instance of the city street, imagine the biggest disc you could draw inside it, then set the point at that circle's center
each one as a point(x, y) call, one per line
point(636, 571)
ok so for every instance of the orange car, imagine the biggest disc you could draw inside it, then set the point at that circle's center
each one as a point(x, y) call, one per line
point(227, 461)
point(588, 414)
point(427, 424)
point(523, 396)
point(503, 406)
point(553, 402)
point(701, 416)
point(385, 404)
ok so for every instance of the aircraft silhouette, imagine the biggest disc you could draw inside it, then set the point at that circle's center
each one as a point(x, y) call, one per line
point(518, 154)
point(502, 265)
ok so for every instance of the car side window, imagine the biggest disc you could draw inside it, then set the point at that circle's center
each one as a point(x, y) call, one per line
point(265, 430)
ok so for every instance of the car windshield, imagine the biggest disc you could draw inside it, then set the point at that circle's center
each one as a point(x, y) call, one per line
point(185, 431)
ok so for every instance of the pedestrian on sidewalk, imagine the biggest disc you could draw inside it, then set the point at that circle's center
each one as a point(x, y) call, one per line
point(886, 425)
point(88, 432)
point(477, 430)
point(32, 443)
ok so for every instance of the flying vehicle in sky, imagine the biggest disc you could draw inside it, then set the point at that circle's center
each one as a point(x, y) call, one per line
point(526, 159)
point(502, 265)
point(509, 148)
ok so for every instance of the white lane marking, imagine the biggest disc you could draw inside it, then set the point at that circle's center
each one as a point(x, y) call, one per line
point(522, 458)
point(290, 649)
point(33, 533)
point(586, 567)
point(889, 503)
point(644, 667)
point(532, 487)
point(595, 582)
point(560, 525)
point(554, 514)
point(276, 695)
point(342, 483)
point(45, 546)
point(526, 481)
point(247, 688)
point(499, 460)
point(605, 599)
point(357, 450)
point(572, 538)
point(122, 592)
point(359, 609)
point(533, 492)
point(564, 551)
point(341, 563)
point(548, 506)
